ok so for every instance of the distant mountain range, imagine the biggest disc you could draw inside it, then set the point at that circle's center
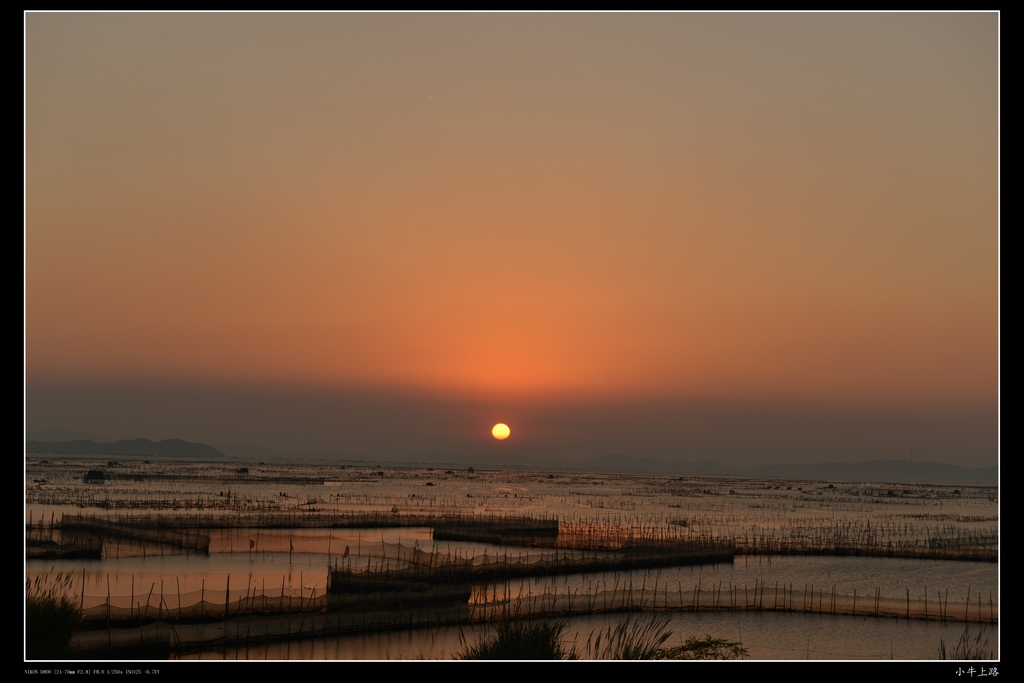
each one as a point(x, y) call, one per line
point(64, 435)
point(175, 448)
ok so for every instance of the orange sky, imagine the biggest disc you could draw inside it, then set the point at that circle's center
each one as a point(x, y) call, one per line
point(726, 207)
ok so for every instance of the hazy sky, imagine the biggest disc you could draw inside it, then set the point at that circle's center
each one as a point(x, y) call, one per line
point(746, 237)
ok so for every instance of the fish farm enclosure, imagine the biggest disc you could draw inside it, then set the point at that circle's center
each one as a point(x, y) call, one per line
point(285, 561)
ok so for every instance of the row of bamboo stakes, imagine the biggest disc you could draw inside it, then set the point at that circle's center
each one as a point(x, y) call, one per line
point(258, 614)
point(186, 534)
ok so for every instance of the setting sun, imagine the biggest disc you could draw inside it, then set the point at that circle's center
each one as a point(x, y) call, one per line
point(500, 431)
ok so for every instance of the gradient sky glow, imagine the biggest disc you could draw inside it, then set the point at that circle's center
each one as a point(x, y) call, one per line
point(681, 223)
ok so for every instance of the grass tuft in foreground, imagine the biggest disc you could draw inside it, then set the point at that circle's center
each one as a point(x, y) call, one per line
point(51, 618)
point(522, 640)
point(631, 638)
point(968, 648)
point(708, 648)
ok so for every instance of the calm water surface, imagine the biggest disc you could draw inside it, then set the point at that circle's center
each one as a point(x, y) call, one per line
point(296, 560)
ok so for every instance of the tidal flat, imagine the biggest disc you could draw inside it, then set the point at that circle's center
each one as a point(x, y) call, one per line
point(307, 561)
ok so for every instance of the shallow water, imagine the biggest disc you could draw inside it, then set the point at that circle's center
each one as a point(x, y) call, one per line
point(765, 636)
point(295, 561)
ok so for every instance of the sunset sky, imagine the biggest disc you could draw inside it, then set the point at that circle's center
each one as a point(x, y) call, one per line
point(749, 238)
